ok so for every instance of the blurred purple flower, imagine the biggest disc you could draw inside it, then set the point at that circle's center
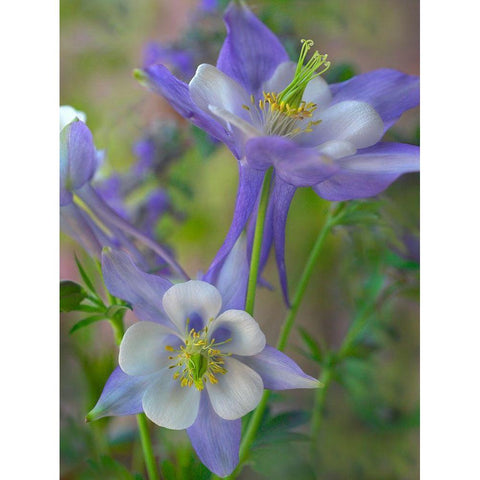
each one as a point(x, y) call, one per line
point(197, 361)
point(179, 60)
point(273, 113)
point(144, 150)
point(78, 164)
point(209, 5)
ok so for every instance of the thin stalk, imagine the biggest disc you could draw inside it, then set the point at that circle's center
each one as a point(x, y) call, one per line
point(303, 282)
point(147, 447)
point(257, 243)
point(256, 419)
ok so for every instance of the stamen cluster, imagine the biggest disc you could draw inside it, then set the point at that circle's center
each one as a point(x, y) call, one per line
point(279, 117)
point(283, 113)
point(198, 361)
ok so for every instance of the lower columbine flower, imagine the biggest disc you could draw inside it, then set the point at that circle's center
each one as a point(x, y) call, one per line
point(194, 363)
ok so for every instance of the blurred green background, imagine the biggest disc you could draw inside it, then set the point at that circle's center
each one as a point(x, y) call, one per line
point(371, 421)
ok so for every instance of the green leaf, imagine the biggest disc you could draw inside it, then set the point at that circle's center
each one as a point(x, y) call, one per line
point(314, 349)
point(360, 213)
point(71, 295)
point(84, 276)
point(107, 468)
point(362, 349)
point(400, 263)
point(116, 309)
point(277, 429)
point(168, 470)
point(87, 321)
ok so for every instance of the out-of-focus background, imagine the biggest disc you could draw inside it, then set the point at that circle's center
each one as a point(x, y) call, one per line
point(370, 430)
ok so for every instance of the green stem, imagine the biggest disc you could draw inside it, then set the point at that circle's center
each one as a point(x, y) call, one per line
point(303, 282)
point(147, 447)
point(256, 419)
point(118, 328)
point(257, 243)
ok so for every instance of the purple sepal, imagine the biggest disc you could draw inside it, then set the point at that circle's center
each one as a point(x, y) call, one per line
point(274, 231)
point(278, 371)
point(142, 290)
point(251, 52)
point(216, 441)
point(282, 196)
point(232, 277)
point(122, 395)
point(250, 183)
point(177, 93)
point(370, 171)
point(388, 91)
point(298, 166)
point(78, 159)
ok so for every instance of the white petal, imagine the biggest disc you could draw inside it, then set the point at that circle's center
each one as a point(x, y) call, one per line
point(68, 114)
point(244, 331)
point(170, 405)
point(318, 92)
point(192, 297)
point(142, 350)
point(210, 86)
point(280, 79)
point(355, 122)
point(237, 392)
point(337, 149)
point(230, 119)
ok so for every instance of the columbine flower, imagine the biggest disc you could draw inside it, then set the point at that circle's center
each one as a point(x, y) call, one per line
point(68, 114)
point(196, 361)
point(79, 161)
point(273, 112)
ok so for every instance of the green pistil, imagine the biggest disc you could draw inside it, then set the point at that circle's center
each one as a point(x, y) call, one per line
point(293, 93)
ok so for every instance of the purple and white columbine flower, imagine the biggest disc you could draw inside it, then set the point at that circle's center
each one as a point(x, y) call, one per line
point(79, 160)
point(272, 112)
point(197, 361)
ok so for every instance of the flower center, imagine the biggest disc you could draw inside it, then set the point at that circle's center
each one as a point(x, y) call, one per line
point(198, 361)
point(284, 113)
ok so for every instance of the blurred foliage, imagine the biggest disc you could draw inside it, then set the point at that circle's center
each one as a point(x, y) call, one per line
point(370, 430)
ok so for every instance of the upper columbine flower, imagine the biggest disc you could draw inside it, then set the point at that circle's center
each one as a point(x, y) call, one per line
point(196, 361)
point(272, 112)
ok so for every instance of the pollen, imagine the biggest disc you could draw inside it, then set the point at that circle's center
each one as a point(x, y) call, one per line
point(198, 361)
point(286, 113)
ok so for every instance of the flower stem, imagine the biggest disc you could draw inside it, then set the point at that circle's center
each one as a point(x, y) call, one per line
point(257, 243)
point(256, 419)
point(147, 447)
point(303, 282)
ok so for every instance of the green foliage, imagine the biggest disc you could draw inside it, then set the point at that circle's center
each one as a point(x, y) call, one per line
point(71, 295)
point(87, 321)
point(277, 429)
point(314, 350)
point(108, 468)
